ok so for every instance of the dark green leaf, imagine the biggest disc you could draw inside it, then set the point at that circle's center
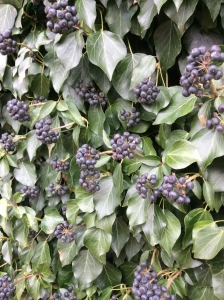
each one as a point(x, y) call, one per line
point(87, 11)
point(120, 235)
point(118, 180)
point(58, 74)
point(110, 276)
point(213, 7)
point(100, 78)
point(148, 11)
point(137, 210)
point(72, 113)
point(216, 175)
point(42, 254)
point(100, 45)
point(91, 240)
point(40, 85)
point(67, 251)
point(167, 42)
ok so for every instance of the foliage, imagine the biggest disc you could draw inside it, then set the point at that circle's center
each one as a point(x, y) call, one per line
point(116, 45)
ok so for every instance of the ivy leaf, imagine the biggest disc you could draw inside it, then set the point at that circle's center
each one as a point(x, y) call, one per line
point(67, 251)
point(26, 173)
point(4, 167)
point(105, 199)
point(177, 3)
point(137, 210)
point(84, 200)
point(213, 7)
point(3, 208)
point(106, 292)
point(87, 11)
point(122, 75)
point(110, 276)
point(171, 232)
point(120, 235)
point(100, 78)
point(208, 240)
point(73, 113)
point(42, 254)
point(118, 180)
point(72, 211)
point(100, 45)
point(179, 106)
point(190, 220)
point(154, 225)
point(86, 268)
point(8, 14)
point(206, 142)
point(40, 85)
point(3, 63)
point(144, 69)
point(148, 11)
point(32, 144)
point(7, 252)
point(216, 175)
point(58, 74)
point(159, 4)
point(167, 39)
point(91, 240)
point(70, 45)
point(181, 154)
point(119, 18)
point(51, 219)
point(33, 287)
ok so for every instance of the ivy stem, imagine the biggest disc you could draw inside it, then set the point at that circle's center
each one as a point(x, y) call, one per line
point(214, 89)
point(85, 120)
point(101, 16)
point(31, 17)
point(171, 279)
point(23, 278)
point(69, 124)
point(24, 45)
point(193, 177)
point(3, 265)
point(38, 219)
point(153, 256)
point(37, 104)
point(129, 46)
point(137, 153)
point(218, 221)
point(107, 152)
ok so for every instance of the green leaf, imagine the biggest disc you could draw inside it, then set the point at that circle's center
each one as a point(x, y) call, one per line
point(26, 173)
point(3, 63)
point(40, 85)
point(119, 18)
point(179, 106)
point(137, 210)
point(42, 254)
point(84, 200)
point(177, 3)
point(58, 74)
point(131, 165)
point(118, 180)
point(106, 223)
point(100, 78)
point(70, 45)
point(91, 240)
point(167, 39)
point(209, 194)
point(32, 144)
point(155, 224)
point(20, 230)
point(72, 211)
point(171, 232)
point(122, 75)
point(4, 167)
point(8, 14)
point(27, 253)
point(148, 11)
point(159, 4)
point(206, 142)
point(181, 15)
point(208, 240)
point(7, 252)
point(67, 251)
point(133, 246)
point(147, 146)
point(181, 154)
point(87, 11)
point(110, 276)
point(86, 268)
point(105, 199)
point(120, 235)
point(194, 216)
point(72, 113)
point(100, 45)
point(216, 175)
point(106, 292)
point(51, 219)
point(144, 69)
point(213, 7)
point(33, 287)
point(3, 208)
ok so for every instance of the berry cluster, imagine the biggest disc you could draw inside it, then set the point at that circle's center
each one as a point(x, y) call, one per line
point(173, 189)
point(143, 184)
point(61, 17)
point(145, 285)
point(146, 91)
point(41, 99)
point(124, 145)
point(7, 143)
point(7, 45)
point(215, 123)
point(200, 71)
point(132, 118)
point(64, 231)
point(30, 192)
point(86, 158)
point(44, 132)
point(18, 110)
point(57, 189)
point(58, 165)
point(90, 93)
point(7, 288)
point(32, 233)
point(70, 294)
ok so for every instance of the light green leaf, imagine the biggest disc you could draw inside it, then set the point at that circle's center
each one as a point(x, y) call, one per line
point(100, 45)
point(87, 11)
point(4, 167)
point(91, 240)
point(42, 254)
point(7, 252)
point(8, 14)
point(179, 106)
point(181, 154)
point(32, 144)
point(84, 200)
point(26, 173)
point(137, 210)
point(67, 251)
point(51, 219)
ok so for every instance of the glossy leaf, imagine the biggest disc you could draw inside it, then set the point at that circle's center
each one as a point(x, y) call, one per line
point(26, 173)
point(51, 219)
point(87, 11)
point(7, 16)
point(91, 241)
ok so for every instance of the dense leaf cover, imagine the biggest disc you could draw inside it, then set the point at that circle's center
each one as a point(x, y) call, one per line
point(111, 149)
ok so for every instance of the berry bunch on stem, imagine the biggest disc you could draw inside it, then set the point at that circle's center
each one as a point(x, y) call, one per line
point(7, 44)
point(132, 118)
point(57, 189)
point(146, 91)
point(7, 142)
point(18, 110)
